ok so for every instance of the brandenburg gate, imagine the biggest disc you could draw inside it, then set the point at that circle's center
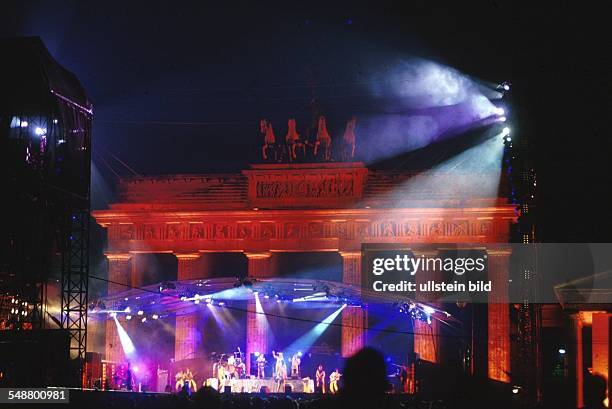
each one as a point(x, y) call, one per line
point(312, 207)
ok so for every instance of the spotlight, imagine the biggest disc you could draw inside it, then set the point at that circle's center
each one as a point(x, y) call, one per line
point(428, 310)
point(506, 131)
point(504, 85)
point(144, 319)
point(222, 303)
point(256, 353)
point(502, 119)
point(516, 389)
point(140, 312)
point(155, 316)
point(40, 131)
point(562, 351)
point(113, 314)
point(127, 309)
point(197, 301)
point(128, 317)
point(299, 353)
point(500, 111)
point(24, 124)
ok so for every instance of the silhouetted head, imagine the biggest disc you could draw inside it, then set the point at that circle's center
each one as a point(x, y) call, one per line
point(594, 391)
point(366, 373)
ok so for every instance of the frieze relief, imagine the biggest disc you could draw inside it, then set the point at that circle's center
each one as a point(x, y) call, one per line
point(347, 230)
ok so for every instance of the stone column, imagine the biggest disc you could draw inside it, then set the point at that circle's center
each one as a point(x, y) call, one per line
point(119, 271)
point(498, 316)
point(259, 266)
point(601, 345)
point(353, 318)
point(577, 366)
point(186, 337)
point(427, 336)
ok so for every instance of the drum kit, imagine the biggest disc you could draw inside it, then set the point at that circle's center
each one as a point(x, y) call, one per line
point(230, 366)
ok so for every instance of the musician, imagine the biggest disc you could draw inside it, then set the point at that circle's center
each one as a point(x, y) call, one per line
point(231, 367)
point(129, 381)
point(241, 369)
point(295, 365)
point(221, 375)
point(180, 380)
point(280, 361)
point(261, 366)
point(334, 377)
point(405, 374)
point(189, 380)
point(320, 380)
point(404, 378)
point(281, 376)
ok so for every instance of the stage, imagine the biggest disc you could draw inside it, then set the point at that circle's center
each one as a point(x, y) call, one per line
point(254, 385)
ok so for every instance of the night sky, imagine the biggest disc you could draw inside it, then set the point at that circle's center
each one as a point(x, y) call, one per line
point(180, 86)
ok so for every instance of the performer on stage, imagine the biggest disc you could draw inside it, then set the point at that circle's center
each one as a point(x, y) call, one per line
point(180, 380)
point(261, 365)
point(405, 373)
point(221, 375)
point(295, 365)
point(129, 381)
point(190, 381)
point(240, 369)
point(320, 380)
point(281, 376)
point(280, 361)
point(334, 377)
point(231, 367)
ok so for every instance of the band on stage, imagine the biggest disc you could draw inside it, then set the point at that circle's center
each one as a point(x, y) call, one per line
point(230, 368)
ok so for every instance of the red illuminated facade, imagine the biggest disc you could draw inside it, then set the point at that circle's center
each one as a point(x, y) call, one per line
point(268, 209)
